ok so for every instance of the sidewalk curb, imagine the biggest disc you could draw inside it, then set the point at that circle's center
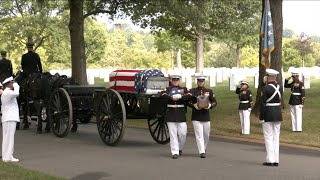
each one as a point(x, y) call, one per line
point(248, 140)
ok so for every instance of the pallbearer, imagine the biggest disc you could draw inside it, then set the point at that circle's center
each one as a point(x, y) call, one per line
point(245, 106)
point(176, 115)
point(296, 100)
point(271, 117)
point(203, 100)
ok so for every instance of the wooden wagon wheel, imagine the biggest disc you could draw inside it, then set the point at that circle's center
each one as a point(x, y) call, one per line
point(60, 112)
point(111, 117)
point(159, 129)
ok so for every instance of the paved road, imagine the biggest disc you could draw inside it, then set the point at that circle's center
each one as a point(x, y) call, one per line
point(83, 156)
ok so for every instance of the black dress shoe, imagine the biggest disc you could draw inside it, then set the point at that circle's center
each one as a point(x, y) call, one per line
point(275, 164)
point(180, 152)
point(202, 155)
point(267, 164)
point(175, 156)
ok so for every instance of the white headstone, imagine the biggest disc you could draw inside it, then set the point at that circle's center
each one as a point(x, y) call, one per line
point(256, 80)
point(213, 79)
point(306, 81)
point(188, 82)
point(232, 84)
point(219, 75)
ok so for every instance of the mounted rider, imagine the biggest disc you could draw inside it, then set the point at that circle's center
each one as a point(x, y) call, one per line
point(30, 63)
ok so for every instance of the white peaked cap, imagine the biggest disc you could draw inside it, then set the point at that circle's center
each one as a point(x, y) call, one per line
point(272, 72)
point(7, 80)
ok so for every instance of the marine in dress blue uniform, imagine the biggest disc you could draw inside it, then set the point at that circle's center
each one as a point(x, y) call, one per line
point(271, 117)
point(176, 115)
point(296, 101)
point(245, 106)
point(201, 116)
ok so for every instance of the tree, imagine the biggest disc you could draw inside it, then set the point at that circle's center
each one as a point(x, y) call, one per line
point(288, 33)
point(245, 26)
point(191, 19)
point(276, 56)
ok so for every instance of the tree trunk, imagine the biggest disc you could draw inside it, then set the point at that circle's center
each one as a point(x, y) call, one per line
point(76, 28)
point(276, 55)
point(179, 66)
point(199, 53)
point(238, 56)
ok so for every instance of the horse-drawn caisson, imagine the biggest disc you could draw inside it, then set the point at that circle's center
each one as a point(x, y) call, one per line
point(133, 94)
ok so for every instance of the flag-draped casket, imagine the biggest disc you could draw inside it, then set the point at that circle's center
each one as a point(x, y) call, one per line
point(138, 80)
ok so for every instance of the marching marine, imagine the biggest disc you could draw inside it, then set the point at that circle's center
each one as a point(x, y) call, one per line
point(176, 115)
point(296, 101)
point(271, 117)
point(203, 100)
point(245, 106)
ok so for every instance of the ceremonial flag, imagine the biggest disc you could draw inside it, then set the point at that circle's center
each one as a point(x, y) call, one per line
point(123, 79)
point(267, 41)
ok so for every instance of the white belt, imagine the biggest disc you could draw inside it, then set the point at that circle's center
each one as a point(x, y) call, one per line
point(244, 101)
point(297, 94)
point(174, 106)
point(273, 104)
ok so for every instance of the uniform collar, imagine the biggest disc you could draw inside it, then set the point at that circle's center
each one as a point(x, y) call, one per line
point(201, 88)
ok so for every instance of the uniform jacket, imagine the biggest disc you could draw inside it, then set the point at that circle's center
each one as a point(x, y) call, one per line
point(270, 113)
point(297, 92)
point(5, 69)
point(202, 114)
point(245, 97)
point(30, 63)
point(9, 105)
point(177, 114)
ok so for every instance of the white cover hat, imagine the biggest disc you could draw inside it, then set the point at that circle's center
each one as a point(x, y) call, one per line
point(7, 80)
point(272, 72)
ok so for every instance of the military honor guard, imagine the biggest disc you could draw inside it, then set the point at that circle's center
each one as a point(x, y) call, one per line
point(203, 100)
point(10, 117)
point(245, 106)
point(271, 117)
point(176, 115)
point(5, 67)
point(296, 101)
point(30, 63)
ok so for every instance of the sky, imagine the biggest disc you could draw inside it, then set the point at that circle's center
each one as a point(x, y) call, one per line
point(298, 15)
point(302, 16)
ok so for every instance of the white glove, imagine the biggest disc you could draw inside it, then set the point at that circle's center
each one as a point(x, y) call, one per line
point(15, 85)
point(196, 106)
point(208, 106)
point(176, 96)
point(301, 106)
point(249, 109)
point(261, 121)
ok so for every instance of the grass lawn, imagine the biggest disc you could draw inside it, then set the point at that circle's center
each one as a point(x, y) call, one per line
point(10, 171)
point(225, 117)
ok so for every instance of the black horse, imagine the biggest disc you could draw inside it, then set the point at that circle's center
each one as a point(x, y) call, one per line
point(35, 93)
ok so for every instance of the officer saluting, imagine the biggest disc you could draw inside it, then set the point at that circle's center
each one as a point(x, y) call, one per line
point(203, 101)
point(176, 115)
point(271, 117)
point(245, 105)
point(5, 67)
point(30, 62)
point(296, 100)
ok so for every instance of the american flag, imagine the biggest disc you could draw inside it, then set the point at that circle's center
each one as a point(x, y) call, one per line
point(123, 79)
point(141, 78)
point(267, 41)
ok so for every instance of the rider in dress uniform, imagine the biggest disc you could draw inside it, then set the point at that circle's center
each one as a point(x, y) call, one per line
point(30, 63)
point(245, 105)
point(5, 67)
point(201, 116)
point(296, 101)
point(176, 115)
point(271, 117)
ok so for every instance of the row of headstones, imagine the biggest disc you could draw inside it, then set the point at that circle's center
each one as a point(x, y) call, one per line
point(214, 75)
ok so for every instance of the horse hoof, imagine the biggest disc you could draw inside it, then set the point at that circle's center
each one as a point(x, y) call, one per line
point(74, 129)
point(47, 131)
point(39, 131)
point(25, 128)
